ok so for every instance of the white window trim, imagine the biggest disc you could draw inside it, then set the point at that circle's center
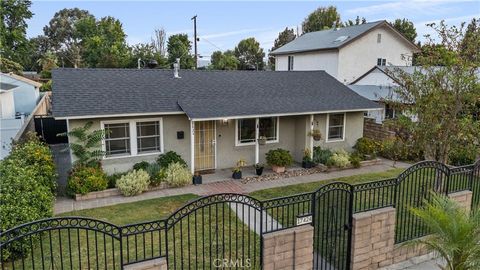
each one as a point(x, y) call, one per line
point(133, 137)
point(238, 143)
point(344, 128)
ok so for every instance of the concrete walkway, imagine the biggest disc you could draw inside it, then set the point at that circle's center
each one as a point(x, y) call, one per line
point(64, 204)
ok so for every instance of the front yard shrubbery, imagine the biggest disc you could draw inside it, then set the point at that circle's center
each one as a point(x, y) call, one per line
point(133, 183)
point(177, 175)
point(84, 179)
point(340, 158)
point(279, 157)
point(170, 157)
point(27, 187)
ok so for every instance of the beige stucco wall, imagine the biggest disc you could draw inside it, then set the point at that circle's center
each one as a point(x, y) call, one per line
point(353, 131)
point(360, 56)
point(171, 124)
point(292, 137)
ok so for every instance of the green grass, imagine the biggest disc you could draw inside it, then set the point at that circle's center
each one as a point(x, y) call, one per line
point(134, 212)
point(309, 187)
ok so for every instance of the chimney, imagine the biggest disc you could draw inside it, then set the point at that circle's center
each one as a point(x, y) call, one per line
point(176, 68)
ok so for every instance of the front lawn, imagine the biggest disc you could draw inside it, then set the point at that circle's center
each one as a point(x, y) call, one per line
point(309, 187)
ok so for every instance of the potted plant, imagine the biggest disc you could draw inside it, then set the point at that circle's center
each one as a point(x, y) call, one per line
point(258, 168)
point(307, 161)
point(315, 133)
point(237, 171)
point(197, 178)
point(279, 159)
point(262, 140)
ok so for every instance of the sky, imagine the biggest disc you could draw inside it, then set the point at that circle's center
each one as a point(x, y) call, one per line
point(222, 24)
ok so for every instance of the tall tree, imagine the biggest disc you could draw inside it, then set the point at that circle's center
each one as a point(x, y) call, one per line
point(64, 37)
point(249, 54)
point(158, 41)
point(406, 27)
point(178, 46)
point(470, 41)
point(146, 52)
point(223, 61)
point(445, 98)
point(104, 42)
point(283, 38)
point(14, 15)
point(357, 21)
point(320, 19)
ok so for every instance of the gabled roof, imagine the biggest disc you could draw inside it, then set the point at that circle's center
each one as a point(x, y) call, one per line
point(7, 86)
point(333, 38)
point(23, 79)
point(375, 92)
point(87, 93)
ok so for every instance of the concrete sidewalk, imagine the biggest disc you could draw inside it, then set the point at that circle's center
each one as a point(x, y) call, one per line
point(64, 204)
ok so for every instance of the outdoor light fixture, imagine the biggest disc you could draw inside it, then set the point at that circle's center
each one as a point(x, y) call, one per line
point(224, 122)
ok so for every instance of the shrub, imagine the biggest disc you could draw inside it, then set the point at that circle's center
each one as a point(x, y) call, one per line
point(37, 155)
point(340, 158)
point(84, 179)
point(156, 177)
point(321, 155)
point(133, 183)
point(367, 147)
point(463, 156)
point(141, 165)
point(170, 157)
point(113, 178)
point(85, 144)
point(279, 157)
point(177, 175)
point(22, 199)
point(355, 160)
point(160, 177)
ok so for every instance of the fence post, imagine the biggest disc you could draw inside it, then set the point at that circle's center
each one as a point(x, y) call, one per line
point(121, 247)
point(166, 241)
point(350, 225)
point(447, 182)
point(261, 235)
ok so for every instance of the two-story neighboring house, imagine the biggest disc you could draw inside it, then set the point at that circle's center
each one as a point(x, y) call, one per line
point(346, 53)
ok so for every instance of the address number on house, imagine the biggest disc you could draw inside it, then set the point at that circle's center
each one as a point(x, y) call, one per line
point(306, 219)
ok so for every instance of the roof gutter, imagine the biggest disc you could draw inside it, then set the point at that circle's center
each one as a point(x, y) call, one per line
point(116, 115)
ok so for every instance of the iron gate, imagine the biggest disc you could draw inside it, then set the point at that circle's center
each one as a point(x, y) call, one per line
point(332, 221)
point(48, 128)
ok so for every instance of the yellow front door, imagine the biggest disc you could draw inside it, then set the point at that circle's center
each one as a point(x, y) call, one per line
point(204, 145)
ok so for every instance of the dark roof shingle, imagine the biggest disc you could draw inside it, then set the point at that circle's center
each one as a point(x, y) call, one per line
point(200, 94)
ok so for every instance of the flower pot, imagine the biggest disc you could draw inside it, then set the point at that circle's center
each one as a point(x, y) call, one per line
point(237, 175)
point(317, 137)
point(197, 180)
point(307, 164)
point(259, 171)
point(262, 141)
point(278, 169)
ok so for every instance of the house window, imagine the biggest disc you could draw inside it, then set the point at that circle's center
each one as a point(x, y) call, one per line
point(379, 38)
point(290, 62)
point(268, 127)
point(381, 62)
point(148, 137)
point(117, 139)
point(389, 112)
point(335, 127)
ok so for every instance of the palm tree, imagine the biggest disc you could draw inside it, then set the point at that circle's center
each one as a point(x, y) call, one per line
point(455, 233)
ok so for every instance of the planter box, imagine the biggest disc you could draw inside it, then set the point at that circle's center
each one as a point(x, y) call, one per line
point(111, 192)
point(278, 169)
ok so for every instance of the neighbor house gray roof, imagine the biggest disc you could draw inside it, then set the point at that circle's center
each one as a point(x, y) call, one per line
point(7, 86)
point(331, 39)
point(375, 92)
point(200, 94)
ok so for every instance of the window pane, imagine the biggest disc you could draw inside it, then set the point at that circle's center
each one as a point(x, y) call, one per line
point(148, 144)
point(246, 130)
point(148, 129)
point(117, 130)
point(335, 126)
point(268, 128)
point(114, 147)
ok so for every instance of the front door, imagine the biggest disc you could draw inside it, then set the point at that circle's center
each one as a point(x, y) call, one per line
point(204, 145)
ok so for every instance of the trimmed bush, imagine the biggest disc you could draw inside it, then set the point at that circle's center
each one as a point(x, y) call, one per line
point(355, 160)
point(113, 178)
point(340, 158)
point(367, 147)
point(177, 175)
point(23, 198)
point(85, 179)
point(153, 170)
point(133, 183)
point(463, 155)
point(321, 155)
point(170, 157)
point(141, 165)
point(279, 157)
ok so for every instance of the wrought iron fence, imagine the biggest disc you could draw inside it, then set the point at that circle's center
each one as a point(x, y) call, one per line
point(230, 226)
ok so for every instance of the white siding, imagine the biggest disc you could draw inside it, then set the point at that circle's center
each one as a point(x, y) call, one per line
point(7, 105)
point(26, 95)
point(361, 55)
point(376, 77)
point(318, 60)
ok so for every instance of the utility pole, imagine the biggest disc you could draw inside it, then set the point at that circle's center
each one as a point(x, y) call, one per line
point(194, 18)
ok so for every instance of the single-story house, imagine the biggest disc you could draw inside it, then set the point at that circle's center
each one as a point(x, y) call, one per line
point(211, 118)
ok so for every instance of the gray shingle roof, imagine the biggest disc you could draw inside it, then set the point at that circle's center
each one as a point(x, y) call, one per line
point(200, 94)
point(375, 92)
point(7, 86)
point(326, 39)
